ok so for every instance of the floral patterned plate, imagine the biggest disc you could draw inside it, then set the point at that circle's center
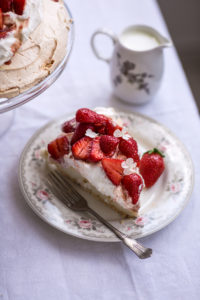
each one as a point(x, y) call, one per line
point(160, 205)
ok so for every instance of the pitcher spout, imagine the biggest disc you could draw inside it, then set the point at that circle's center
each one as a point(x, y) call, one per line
point(164, 42)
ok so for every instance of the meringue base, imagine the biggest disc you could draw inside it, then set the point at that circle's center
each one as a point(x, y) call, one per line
point(40, 54)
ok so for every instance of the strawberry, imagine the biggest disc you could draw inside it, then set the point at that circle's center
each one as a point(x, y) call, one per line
point(100, 126)
point(129, 148)
point(108, 144)
point(18, 6)
point(80, 132)
point(101, 120)
point(3, 34)
point(1, 20)
point(6, 5)
point(133, 184)
point(111, 127)
point(69, 126)
point(113, 169)
point(96, 153)
point(82, 148)
point(151, 166)
point(85, 115)
point(59, 147)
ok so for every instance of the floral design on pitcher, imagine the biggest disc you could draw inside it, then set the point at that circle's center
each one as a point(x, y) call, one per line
point(126, 69)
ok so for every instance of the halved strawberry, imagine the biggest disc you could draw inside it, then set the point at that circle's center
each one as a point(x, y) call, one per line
point(6, 5)
point(111, 127)
point(80, 132)
point(1, 20)
point(96, 153)
point(18, 6)
point(113, 169)
point(69, 126)
point(152, 166)
point(129, 148)
point(108, 144)
point(59, 147)
point(82, 148)
point(133, 184)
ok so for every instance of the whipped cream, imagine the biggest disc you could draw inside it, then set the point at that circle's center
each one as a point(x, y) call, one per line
point(96, 176)
point(31, 18)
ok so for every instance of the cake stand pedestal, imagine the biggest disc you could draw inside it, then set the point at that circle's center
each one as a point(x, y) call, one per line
point(7, 106)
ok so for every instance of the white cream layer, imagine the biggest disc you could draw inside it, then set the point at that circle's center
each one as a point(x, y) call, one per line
point(95, 175)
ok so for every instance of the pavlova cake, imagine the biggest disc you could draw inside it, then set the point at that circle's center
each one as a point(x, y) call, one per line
point(97, 152)
point(33, 40)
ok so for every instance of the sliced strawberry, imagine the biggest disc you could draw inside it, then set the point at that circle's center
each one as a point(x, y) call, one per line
point(63, 145)
point(80, 132)
point(59, 147)
point(113, 169)
point(133, 184)
point(53, 150)
point(82, 148)
point(111, 127)
point(108, 144)
point(6, 5)
point(151, 166)
point(129, 148)
point(1, 20)
point(18, 6)
point(69, 126)
point(96, 153)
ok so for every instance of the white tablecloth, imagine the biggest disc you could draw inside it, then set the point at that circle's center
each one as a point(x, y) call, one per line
point(38, 262)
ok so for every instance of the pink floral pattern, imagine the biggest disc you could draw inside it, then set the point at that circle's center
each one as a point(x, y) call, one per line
point(175, 187)
point(42, 195)
point(140, 221)
point(85, 224)
point(163, 145)
point(37, 153)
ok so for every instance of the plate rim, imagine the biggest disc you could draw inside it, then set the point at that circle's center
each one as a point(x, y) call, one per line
point(103, 239)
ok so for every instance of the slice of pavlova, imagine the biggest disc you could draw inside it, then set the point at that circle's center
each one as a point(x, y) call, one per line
point(96, 151)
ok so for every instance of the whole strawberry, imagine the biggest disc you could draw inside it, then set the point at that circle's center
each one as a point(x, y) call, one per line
point(151, 166)
point(108, 144)
point(129, 148)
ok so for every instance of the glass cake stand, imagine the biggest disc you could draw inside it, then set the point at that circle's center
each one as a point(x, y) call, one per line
point(7, 106)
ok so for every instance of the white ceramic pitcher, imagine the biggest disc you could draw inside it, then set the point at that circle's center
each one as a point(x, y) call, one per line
point(137, 63)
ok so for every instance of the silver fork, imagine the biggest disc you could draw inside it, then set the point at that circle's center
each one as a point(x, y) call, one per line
point(64, 191)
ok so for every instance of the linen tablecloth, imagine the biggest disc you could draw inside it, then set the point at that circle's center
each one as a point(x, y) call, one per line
point(38, 262)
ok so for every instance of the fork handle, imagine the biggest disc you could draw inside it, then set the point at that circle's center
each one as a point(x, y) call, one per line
point(132, 244)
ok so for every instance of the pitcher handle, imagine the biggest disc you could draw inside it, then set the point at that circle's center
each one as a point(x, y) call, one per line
point(104, 32)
